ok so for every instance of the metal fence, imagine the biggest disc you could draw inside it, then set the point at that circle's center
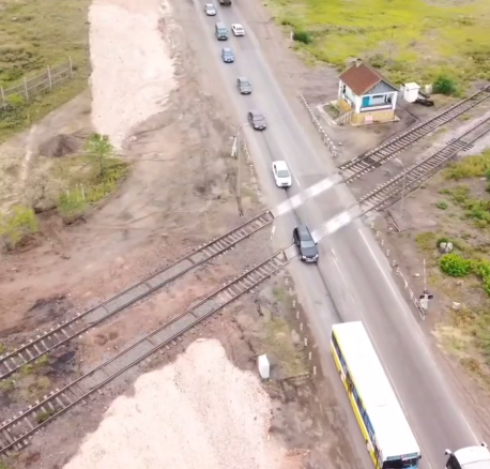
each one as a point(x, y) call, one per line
point(44, 82)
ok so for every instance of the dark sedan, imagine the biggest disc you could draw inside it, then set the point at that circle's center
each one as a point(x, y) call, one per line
point(307, 247)
point(257, 120)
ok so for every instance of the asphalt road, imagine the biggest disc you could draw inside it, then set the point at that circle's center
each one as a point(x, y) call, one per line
point(353, 279)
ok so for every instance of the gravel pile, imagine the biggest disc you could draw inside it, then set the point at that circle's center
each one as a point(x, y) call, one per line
point(200, 412)
point(132, 71)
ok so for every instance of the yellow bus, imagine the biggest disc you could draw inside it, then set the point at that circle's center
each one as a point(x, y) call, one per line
point(388, 436)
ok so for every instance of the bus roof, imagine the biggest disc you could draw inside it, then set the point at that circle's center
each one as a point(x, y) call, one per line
point(393, 433)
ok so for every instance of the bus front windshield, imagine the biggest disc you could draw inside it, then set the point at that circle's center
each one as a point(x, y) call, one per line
point(401, 464)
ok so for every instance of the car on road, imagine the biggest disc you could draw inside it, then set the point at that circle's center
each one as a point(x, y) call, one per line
point(243, 85)
point(225, 2)
point(282, 175)
point(307, 248)
point(209, 9)
point(238, 29)
point(257, 120)
point(221, 31)
point(227, 55)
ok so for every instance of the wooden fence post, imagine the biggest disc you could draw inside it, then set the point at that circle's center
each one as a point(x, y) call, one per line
point(26, 89)
point(2, 94)
point(49, 78)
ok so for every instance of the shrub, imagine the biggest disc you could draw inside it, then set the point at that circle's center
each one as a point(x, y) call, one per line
point(302, 36)
point(442, 205)
point(469, 167)
point(454, 265)
point(444, 85)
point(72, 205)
point(18, 226)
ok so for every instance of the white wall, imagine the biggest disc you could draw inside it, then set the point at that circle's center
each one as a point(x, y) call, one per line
point(348, 94)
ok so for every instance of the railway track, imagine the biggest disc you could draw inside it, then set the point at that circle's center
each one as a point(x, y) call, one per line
point(69, 330)
point(372, 159)
point(15, 433)
point(387, 193)
point(64, 332)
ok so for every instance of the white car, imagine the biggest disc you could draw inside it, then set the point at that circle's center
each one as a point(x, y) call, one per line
point(209, 9)
point(238, 29)
point(282, 175)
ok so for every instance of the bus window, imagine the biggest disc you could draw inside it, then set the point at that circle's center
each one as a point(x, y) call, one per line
point(350, 384)
point(336, 345)
point(401, 463)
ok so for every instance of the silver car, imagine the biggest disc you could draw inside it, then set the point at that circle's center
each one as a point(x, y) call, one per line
point(257, 120)
point(209, 9)
point(243, 85)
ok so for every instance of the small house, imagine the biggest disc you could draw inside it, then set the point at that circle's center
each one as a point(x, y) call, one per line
point(365, 96)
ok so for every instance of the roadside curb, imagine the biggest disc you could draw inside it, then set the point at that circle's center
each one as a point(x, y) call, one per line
point(253, 177)
point(327, 141)
point(394, 264)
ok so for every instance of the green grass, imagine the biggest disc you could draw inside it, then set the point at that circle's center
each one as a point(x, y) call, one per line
point(470, 167)
point(280, 294)
point(475, 324)
point(17, 227)
point(426, 241)
point(475, 209)
point(280, 346)
point(413, 40)
point(86, 184)
point(33, 35)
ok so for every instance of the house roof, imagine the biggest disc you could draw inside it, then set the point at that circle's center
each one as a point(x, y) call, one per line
point(361, 78)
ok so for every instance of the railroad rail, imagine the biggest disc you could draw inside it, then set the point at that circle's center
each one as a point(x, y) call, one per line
point(16, 432)
point(372, 159)
point(66, 331)
point(387, 193)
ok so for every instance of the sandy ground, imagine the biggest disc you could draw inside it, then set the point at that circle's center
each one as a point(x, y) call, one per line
point(200, 408)
point(306, 419)
point(180, 193)
point(132, 70)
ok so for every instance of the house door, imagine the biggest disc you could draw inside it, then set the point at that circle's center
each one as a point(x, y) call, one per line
point(365, 101)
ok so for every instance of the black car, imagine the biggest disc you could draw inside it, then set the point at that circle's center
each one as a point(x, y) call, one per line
point(257, 120)
point(307, 248)
point(243, 85)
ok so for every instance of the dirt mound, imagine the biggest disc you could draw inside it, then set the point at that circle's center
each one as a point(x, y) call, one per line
point(61, 145)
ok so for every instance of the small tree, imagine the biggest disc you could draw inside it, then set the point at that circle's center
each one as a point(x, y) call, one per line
point(444, 85)
point(100, 149)
point(302, 36)
point(17, 226)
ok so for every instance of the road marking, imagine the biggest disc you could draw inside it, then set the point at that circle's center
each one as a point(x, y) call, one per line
point(310, 192)
point(334, 224)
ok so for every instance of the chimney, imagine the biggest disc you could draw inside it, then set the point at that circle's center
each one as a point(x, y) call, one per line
point(358, 62)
